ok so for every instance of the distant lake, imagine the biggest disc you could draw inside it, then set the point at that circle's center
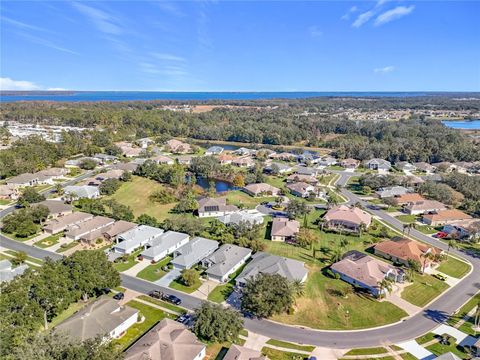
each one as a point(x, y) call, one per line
point(463, 125)
point(156, 95)
point(224, 146)
point(220, 186)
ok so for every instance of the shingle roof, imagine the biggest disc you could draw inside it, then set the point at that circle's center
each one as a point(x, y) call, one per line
point(64, 221)
point(55, 206)
point(448, 215)
point(261, 188)
point(214, 205)
point(133, 238)
point(425, 205)
point(98, 222)
point(194, 251)
point(164, 242)
point(241, 216)
point(284, 227)
point(81, 191)
point(225, 259)
point(406, 249)
point(345, 213)
point(237, 352)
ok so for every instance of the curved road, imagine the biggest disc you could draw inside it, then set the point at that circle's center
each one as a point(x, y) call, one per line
point(436, 313)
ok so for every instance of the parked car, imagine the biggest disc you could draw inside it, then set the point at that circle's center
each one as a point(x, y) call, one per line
point(172, 299)
point(119, 296)
point(440, 235)
point(440, 277)
point(155, 294)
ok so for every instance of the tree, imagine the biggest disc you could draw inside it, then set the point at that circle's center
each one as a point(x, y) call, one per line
point(189, 277)
point(266, 295)
point(59, 189)
point(26, 228)
point(30, 196)
point(296, 208)
point(126, 176)
point(39, 213)
point(239, 181)
point(145, 219)
point(337, 255)
point(193, 226)
point(305, 237)
point(214, 323)
point(91, 271)
point(20, 258)
point(385, 286)
point(415, 265)
point(113, 150)
point(426, 257)
point(298, 289)
point(87, 164)
point(187, 203)
point(110, 186)
point(452, 244)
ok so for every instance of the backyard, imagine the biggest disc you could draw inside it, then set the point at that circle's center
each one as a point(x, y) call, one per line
point(424, 289)
point(238, 198)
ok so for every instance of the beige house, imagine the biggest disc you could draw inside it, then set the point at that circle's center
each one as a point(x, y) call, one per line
point(58, 224)
point(261, 189)
point(9, 192)
point(237, 352)
point(209, 207)
point(423, 207)
point(284, 229)
point(168, 340)
point(348, 218)
point(84, 229)
point(56, 207)
point(178, 147)
point(444, 217)
point(349, 163)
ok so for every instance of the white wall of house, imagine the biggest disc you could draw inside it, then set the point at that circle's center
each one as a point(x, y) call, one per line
point(115, 333)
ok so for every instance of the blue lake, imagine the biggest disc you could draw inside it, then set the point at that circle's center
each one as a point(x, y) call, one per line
point(220, 186)
point(463, 125)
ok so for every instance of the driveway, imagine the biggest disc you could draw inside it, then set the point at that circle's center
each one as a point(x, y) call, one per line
point(460, 337)
point(168, 278)
point(205, 289)
point(416, 350)
point(135, 269)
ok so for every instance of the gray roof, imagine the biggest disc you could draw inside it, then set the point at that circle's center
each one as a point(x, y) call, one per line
point(207, 205)
point(380, 163)
point(391, 191)
point(237, 352)
point(97, 318)
point(304, 170)
point(88, 226)
point(55, 206)
point(215, 149)
point(280, 166)
point(22, 178)
point(137, 236)
point(7, 273)
point(241, 216)
point(225, 259)
point(194, 251)
point(164, 242)
point(83, 191)
point(264, 263)
point(448, 356)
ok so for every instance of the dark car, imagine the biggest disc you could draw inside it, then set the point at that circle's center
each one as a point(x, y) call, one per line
point(119, 296)
point(155, 294)
point(172, 299)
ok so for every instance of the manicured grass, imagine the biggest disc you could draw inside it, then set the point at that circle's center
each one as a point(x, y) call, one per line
point(454, 267)
point(408, 219)
point(425, 338)
point(238, 198)
point(221, 292)
point(289, 345)
point(152, 316)
point(49, 241)
point(18, 238)
point(161, 303)
point(424, 289)
point(66, 247)
point(131, 261)
point(5, 202)
point(273, 354)
point(354, 186)
point(466, 327)
point(154, 272)
point(439, 349)
point(177, 285)
point(367, 351)
point(39, 262)
point(471, 248)
point(244, 332)
point(323, 306)
point(72, 309)
point(135, 194)
point(426, 229)
point(408, 356)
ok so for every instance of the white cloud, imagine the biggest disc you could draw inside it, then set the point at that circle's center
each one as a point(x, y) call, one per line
point(384, 70)
point(170, 8)
point(363, 18)
point(168, 57)
point(22, 25)
point(103, 21)
point(56, 89)
point(315, 31)
point(45, 42)
point(10, 84)
point(393, 14)
point(346, 16)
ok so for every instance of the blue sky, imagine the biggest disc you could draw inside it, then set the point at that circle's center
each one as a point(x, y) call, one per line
point(380, 45)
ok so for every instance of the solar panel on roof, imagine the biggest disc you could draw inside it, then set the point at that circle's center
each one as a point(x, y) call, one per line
point(212, 208)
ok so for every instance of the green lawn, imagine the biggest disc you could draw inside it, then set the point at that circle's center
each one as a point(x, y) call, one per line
point(425, 338)
point(135, 194)
point(289, 345)
point(273, 354)
point(467, 327)
point(18, 238)
point(223, 291)
point(131, 261)
point(49, 241)
point(39, 262)
point(426, 229)
point(454, 267)
point(177, 285)
point(65, 247)
point(161, 303)
point(239, 198)
point(408, 356)
point(152, 316)
point(354, 186)
point(5, 202)
point(154, 272)
point(424, 289)
point(439, 349)
point(324, 306)
point(367, 351)
point(408, 219)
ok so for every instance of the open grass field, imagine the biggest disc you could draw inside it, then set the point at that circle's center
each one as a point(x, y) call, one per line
point(454, 267)
point(408, 219)
point(238, 198)
point(154, 272)
point(49, 241)
point(325, 306)
point(424, 289)
point(135, 194)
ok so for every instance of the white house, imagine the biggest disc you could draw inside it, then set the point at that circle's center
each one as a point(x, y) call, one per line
point(135, 238)
point(164, 245)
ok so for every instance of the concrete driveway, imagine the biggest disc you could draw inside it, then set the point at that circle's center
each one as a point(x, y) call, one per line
point(168, 278)
point(416, 350)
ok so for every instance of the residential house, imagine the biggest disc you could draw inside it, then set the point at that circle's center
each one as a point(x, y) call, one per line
point(104, 158)
point(408, 198)
point(185, 159)
point(349, 163)
point(81, 192)
point(144, 142)
point(103, 317)
point(306, 170)
point(178, 147)
point(423, 207)
point(237, 352)
point(27, 179)
point(119, 227)
point(444, 167)
point(56, 208)
point(327, 161)
point(308, 157)
point(77, 161)
point(449, 356)
point(9, 192)
point(283, 156)
point(261, 189)
point(242, 217)
point(302, 178)
point(163, 245)
point(244, 152)
point(128, 149)
point(168, 340)
point(405, 166)
point(214, 150)
point(443, 217)
point(391, 191)
point(380, 165)
point(209, 207)
point(134, 238)
point(245, 162)
point(226, 159)
point(284, 229)
point(225, 261)
point(264, 263)
point(301, 189)
point(163, 160)
point(366, 272)
point(464, 230)
point(401, 250)
point(277, 168)
point(129, 166)
point(410, 180)
point(50, 174)
point(193, 252)
point(8, 272)
point(59, 224)
point(348, 218)
point(425, 167)
point(84, 228)
point(462, 167)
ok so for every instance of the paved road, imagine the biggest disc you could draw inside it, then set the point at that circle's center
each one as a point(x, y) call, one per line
point(413, 327)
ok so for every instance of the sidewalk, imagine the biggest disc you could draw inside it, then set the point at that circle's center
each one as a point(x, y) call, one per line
point(135, 269)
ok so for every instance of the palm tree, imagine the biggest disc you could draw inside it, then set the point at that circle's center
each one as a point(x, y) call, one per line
point(426, 256)
point(385, 286)
point(452, 244)
point(336, 256)
point(298, 289)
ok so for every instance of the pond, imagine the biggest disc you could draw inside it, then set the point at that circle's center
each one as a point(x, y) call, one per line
point(220, 186)
point(463, 125)
point(227, 147)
